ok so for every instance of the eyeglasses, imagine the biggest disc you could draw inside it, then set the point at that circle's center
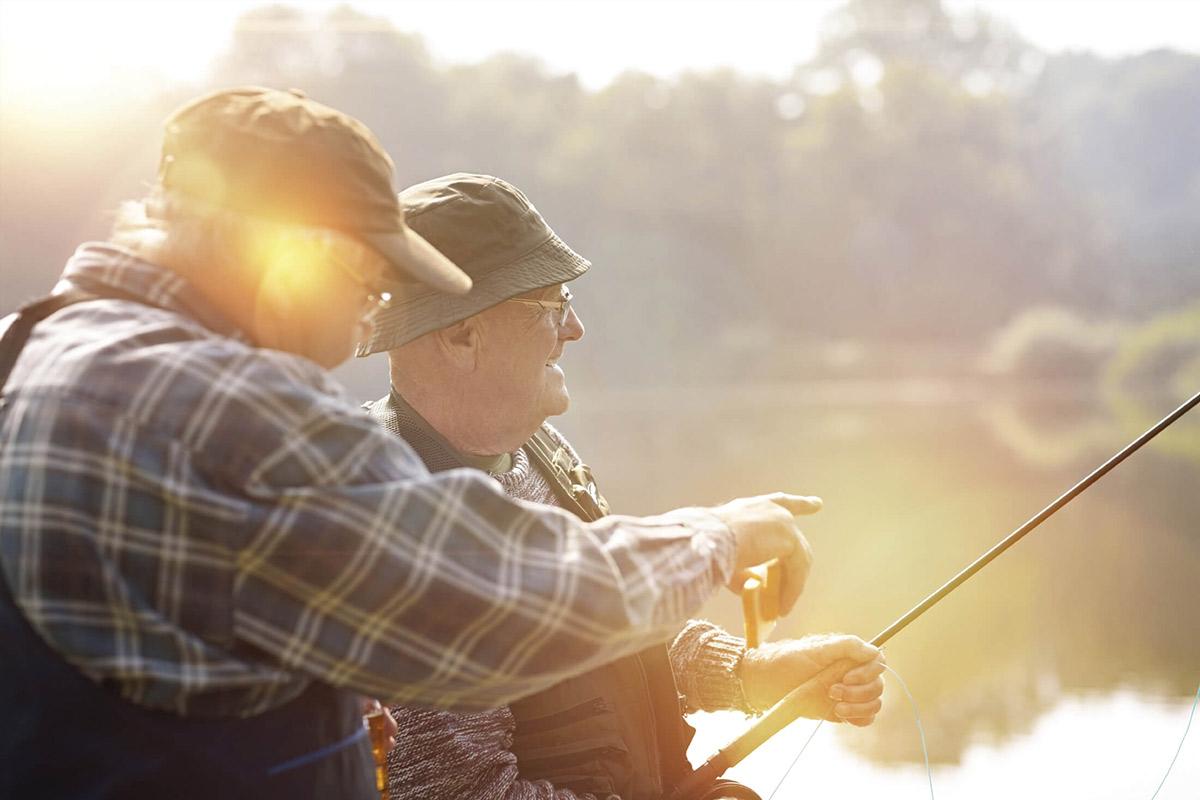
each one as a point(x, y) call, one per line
point(377, 300)
point(561, 307)
point(380, 301)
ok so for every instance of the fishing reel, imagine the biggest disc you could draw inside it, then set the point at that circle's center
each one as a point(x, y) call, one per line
point(728, 790)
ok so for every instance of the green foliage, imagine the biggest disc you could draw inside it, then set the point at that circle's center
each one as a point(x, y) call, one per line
point(1164, 353)
point(1156, 350)
point(1051, 342)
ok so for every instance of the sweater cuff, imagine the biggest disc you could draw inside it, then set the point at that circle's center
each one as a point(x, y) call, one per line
point(707, 659)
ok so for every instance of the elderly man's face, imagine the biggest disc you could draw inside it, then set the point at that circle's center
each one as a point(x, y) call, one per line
point(519, 359)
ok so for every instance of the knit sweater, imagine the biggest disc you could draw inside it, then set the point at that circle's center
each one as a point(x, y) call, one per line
point(442, 755)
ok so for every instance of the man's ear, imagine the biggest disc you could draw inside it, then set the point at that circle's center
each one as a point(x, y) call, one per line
point(459, 343)
point(274, 310)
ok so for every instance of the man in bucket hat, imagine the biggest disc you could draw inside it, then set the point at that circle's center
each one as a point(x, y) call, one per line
point(208, 552)
point(473, 378)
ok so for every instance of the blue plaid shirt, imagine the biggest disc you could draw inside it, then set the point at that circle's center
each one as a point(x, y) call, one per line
point(208, 526)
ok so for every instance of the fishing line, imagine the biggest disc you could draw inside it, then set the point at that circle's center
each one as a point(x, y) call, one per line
point(1179, 749)
point(795, 760)
point(925, 749)
point(920, 729)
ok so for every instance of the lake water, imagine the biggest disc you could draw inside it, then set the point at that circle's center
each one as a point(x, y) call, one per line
point(1065, 669)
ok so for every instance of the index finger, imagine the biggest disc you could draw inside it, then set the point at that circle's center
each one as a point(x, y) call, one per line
point(864, 673)
point(796, 503)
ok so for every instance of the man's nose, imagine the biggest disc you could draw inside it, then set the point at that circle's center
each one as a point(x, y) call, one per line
point(572, 329)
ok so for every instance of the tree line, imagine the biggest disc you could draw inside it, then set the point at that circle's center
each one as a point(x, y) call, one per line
point(897, 204)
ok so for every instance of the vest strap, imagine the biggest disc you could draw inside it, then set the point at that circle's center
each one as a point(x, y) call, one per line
point(573, 483)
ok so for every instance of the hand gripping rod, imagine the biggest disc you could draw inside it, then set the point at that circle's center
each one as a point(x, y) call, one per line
point(786, 710)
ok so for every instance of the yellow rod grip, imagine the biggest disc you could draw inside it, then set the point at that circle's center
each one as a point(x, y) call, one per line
point(760, 601)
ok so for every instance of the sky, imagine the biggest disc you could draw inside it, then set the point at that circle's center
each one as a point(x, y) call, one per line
point(54, 51)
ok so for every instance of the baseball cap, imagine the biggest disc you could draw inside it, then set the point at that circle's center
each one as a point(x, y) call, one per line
point(281, 156)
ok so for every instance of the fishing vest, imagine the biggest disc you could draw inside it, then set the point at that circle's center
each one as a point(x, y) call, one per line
point(63, 735)
point(617, 730)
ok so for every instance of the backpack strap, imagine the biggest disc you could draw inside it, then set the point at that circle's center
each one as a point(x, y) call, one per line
point(17, 334)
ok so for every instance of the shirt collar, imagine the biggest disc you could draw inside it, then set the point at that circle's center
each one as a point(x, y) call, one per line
point(494, 465)
point(96, 265)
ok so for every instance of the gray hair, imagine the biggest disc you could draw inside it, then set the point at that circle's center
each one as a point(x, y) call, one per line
point(178, 231)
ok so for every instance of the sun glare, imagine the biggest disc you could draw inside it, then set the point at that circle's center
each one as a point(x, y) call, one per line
point(75, 57)
point(295, 261)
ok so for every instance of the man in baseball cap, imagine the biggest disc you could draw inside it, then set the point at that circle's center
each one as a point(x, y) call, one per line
point(208, 553)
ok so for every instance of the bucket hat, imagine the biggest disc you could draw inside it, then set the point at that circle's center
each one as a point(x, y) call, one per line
point(489, 228)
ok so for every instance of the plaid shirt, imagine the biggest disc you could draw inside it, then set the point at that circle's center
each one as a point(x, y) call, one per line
point(208, 526)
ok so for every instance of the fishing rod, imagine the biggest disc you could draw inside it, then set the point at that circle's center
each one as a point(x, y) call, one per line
point(787, 710)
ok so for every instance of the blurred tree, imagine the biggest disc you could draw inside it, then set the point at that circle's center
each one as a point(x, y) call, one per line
point(1121, 137)
point(974, 48)
point(916, 185)
point(928, 220)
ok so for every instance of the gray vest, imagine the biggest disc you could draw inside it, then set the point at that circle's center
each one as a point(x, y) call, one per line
point(616, 730)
